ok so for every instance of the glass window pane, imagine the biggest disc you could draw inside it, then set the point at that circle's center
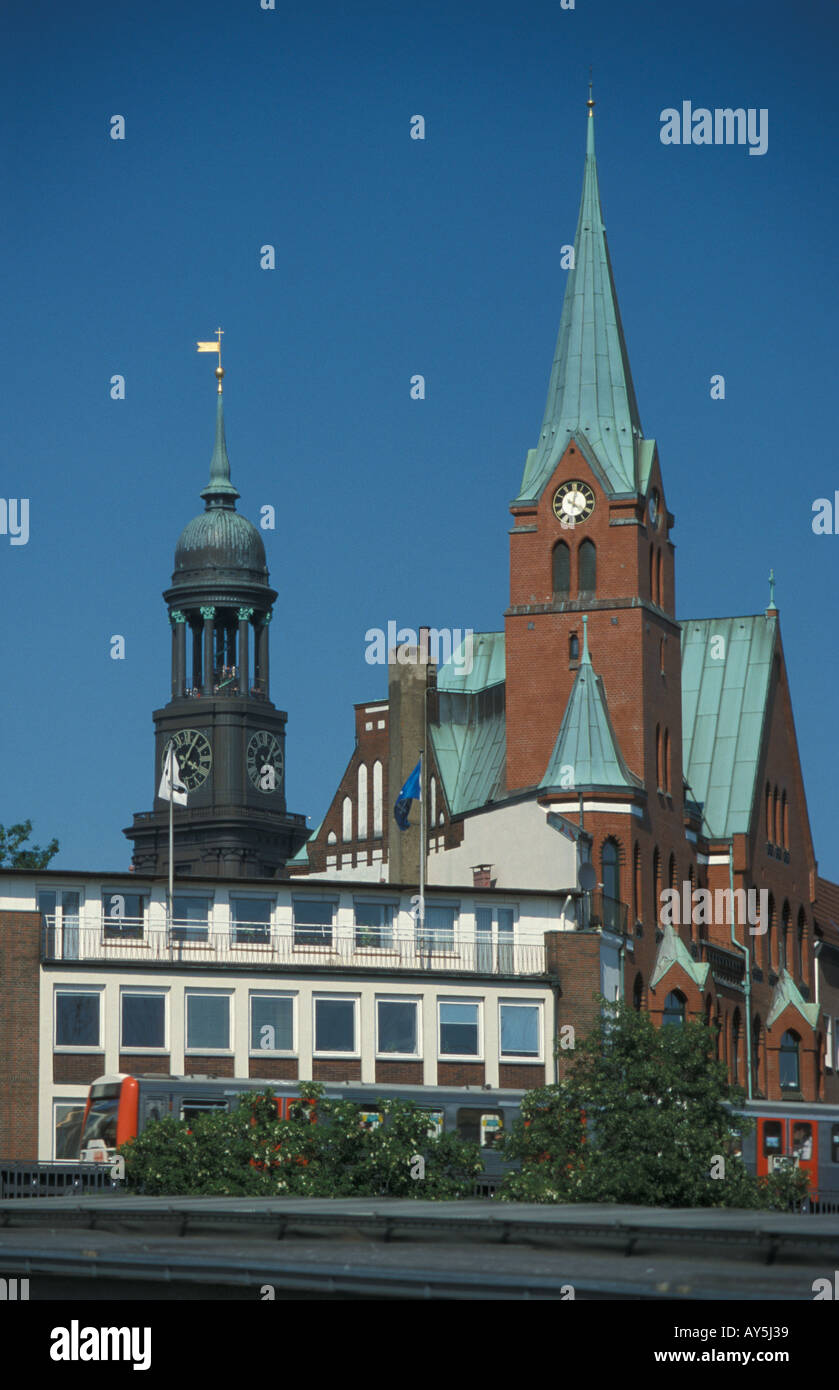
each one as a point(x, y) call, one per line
point(520, 1030)
point(190, 918)
point(334, 1025)
point(143, 1020)
point(272, 1023)
point(397, 1026)
point(77, 1020)
point(251, 918)
point(207, 1021)
point(68, 1128)
point(459, 1029)
point(313, 922)
point(373, 924)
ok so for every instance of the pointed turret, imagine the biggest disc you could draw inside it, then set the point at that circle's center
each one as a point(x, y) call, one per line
point(220, 492)
point(587, 743)
point(590, 395)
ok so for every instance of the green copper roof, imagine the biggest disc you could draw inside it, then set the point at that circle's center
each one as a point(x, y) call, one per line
point(673, 951)
point(787, 992)
point(470, 744)
point(590, 392)
point(586, 742)
point(220, 490)
point(726, 665)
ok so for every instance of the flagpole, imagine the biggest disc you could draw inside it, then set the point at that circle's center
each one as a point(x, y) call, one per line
point(171, 835)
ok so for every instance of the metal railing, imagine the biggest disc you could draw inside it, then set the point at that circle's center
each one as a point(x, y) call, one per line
point(24, 1178)
point(130, 941)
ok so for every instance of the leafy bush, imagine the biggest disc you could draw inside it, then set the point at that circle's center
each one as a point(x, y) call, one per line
point(322, 1150)
point(656, 1130)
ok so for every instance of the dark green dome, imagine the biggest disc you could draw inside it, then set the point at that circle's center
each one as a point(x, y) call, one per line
point(220, 544)
point(220, 540)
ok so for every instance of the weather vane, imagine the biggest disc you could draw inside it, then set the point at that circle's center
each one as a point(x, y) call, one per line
point(215, 347)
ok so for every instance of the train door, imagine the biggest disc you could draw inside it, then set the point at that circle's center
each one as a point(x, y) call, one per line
point(786, 1143)
point(154, 1105)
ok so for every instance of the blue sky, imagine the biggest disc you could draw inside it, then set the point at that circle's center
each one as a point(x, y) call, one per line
point(394, 256)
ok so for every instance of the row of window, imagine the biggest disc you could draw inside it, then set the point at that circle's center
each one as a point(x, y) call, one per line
point(313, 919)
point(274, 1023)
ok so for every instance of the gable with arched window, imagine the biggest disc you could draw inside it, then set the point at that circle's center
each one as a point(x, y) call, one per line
point(789, 1067)
point(674, 1010)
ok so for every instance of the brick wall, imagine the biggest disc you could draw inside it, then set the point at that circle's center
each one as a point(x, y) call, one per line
point(520, 1076)
point(329, 1069)
point(274, 1068)
point(399, 1073)
point(208, 1066)
point(460, 1074)
point(19, 1068)
point(134, 1063)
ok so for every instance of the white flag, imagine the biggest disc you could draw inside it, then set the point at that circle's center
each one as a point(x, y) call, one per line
point(171, 786)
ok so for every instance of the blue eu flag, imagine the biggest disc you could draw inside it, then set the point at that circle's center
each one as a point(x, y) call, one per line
point(410, 792)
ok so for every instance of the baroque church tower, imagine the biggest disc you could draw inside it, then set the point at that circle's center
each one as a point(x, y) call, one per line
point(228, 737)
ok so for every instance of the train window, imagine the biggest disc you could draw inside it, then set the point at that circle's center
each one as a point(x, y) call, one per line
point(436, 1123)
point(191, 1108)
point(484, 1127)
point(834, 1144)
point(802, 1140)
point(102, 1121)
point(772, 1136)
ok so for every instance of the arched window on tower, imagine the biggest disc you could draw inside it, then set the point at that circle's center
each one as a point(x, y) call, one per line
point(362, 801)
point(561, 570)
point(377, 800)
point(776, 818)
point(800, 951)
point(770, 932)
point(587, 568)
point(638, 891)
point(667, 761)
point(660, 580)
point(573, 648)
point(784, 946)
point(661, 647)
point(610, 866)
point(346, 819)
point(652, 574)
point(784, 821)
point(789, 1073)
point(658, 758)
point(657, 883)
point(768, 813)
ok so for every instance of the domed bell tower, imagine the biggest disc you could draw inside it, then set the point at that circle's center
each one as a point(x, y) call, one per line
point(228, 738)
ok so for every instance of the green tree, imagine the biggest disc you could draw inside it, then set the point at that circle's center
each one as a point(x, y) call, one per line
point(13, 857)
point(324, 1149)
point(640, 1118)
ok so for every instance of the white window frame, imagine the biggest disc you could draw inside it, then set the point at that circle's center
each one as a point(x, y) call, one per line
point(353, 999)
point(461, 1056)
point(230, 996)
point(393, 904)
point(273, 994)
point(158, 992)
point(235, 927)
point(73, 1104)
point(332, 901)
point(525, 1058)
point(99, 991)
point(414, 999)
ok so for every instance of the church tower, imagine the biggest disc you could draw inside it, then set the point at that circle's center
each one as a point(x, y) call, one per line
point(591, 536)
point(229, 739)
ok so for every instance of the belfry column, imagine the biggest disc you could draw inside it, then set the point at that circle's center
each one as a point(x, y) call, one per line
point(262, 655)
point(245, 615)
point(178, 620)
point(208, 614)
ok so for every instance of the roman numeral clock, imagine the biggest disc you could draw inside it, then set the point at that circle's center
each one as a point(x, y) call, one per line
point(228, 736)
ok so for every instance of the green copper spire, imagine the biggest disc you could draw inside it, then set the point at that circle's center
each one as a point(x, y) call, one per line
point(590, 394)
point(587, 744)
point(220, 492)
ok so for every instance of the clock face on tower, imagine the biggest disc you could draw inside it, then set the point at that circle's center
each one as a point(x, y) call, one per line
point(194, 755)
point(573, 501)
point(265, 761)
